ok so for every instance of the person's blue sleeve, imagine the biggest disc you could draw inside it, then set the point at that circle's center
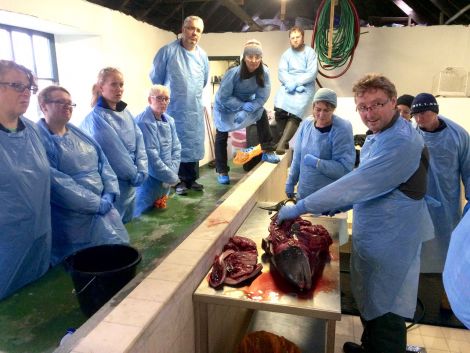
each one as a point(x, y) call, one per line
point(108, 177)
point(225, 95)
point(141, 160)
point(105, 206)
point(343, 154)
point(283, 69)
point(111, 144)
point(248, 107)
point(68, 194)
point(65, 191)
point(464, 161)
point(310, 73)
point(294, 170)
point(175, 150)
point(289, 189)
point(206, 69)
point(159, 169)
point(159, 69)
point(375, 177)
point(262, 93)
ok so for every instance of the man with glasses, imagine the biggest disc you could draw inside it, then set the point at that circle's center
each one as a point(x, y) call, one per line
point(25, 218)
point(297, 73)
point(391, 219)
point(184, 67)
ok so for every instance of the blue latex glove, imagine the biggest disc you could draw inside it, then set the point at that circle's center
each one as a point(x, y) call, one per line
point(105, 206)
point(290, 191)
point(291, 211)
point(108, 197)
point(465, 209)
point(138, 179)
point(300, 89)
point(310, 160)
point(248, 106)
point(238, 119)
point(290, 87)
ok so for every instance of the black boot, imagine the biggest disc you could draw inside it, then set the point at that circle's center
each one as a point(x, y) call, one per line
point(289, 131)
point(351, 347)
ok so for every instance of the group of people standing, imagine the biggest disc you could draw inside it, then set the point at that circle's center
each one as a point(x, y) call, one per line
point(405, 197)
point(66, 188)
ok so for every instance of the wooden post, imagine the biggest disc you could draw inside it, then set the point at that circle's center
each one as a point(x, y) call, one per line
point(331, 29)
point(283, 9)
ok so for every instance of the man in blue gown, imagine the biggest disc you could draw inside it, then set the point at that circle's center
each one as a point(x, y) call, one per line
point(184, 67)
point(391, 218)
point(297, 73)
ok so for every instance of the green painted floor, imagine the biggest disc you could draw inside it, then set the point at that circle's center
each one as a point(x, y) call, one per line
point(35, 318)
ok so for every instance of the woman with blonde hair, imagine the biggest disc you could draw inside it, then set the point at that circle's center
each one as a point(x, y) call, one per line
point(112, 125)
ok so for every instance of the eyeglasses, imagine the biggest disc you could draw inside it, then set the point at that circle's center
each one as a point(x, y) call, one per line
point(371, 108)
point(20, 88)
point(162, 99)
point(254, 57)
point(63, 104)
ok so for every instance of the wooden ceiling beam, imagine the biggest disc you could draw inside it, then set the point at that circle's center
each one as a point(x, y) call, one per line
point(241, 14)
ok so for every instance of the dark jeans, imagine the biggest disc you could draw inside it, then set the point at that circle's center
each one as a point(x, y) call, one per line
point(264, 136)
point(188, 172)
point(385, 334)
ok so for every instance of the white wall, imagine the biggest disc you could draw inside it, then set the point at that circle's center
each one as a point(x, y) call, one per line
point(90, 37)
point(410, 56)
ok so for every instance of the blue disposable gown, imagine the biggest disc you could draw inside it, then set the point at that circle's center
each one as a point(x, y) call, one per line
point(25, 219)
point(233, 93)
point(301, 68)
point(123, 144)
point(388, 226)
point(456, 274)
point(449, 154)
point(186, 73)
point(164, 155)
point(334, 148)
point(80, 175)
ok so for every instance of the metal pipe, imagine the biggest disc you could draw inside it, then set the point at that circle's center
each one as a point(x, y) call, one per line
point(458, 14)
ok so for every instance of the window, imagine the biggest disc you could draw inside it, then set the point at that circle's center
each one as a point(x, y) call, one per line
point(34, 50)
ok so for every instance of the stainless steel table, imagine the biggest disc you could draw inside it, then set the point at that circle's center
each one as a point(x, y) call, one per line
point(264, 293)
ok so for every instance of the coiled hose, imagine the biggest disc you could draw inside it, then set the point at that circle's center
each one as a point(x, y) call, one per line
point(345, 36)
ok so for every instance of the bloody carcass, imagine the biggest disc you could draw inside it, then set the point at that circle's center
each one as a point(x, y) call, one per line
point(237, 262)
point(298, 250)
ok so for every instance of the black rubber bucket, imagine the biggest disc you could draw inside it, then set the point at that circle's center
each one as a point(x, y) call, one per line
point(99, 272)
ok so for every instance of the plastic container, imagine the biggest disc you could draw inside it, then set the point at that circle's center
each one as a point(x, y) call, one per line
point(99, 272)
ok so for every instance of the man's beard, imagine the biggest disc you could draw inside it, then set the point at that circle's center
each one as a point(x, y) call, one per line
point(299, 48)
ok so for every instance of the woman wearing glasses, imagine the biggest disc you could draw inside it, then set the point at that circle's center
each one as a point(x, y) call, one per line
point(25, 228)
point(83, 185)
point(112, 125)
point(163, 150)
point(239, 102)
point(324, 148)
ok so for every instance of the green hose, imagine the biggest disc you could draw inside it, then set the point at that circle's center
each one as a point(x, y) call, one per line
point(345, 35)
